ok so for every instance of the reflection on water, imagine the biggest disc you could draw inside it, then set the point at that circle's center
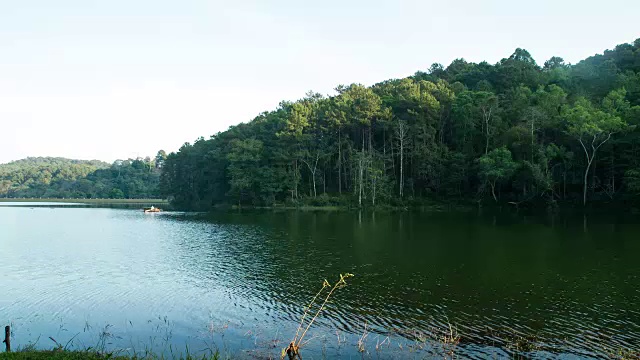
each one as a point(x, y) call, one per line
point(37, 203)
point(240, 280)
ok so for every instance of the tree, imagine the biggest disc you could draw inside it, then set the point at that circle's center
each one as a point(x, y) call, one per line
point(632, 181)
point(161, 157)
point(497, 166)
point(487, 104)
point(335, 111)
point(306, 133)
point(401, 132)
point(244, 159)
point(593, 127)
point(519, 69)
point(422, 135)
point(116, 194)
point(364, 106)
point(58, 177)
point(554, 63)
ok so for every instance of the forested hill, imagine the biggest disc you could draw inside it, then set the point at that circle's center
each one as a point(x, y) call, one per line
point(514, 131)
point(64, 178)
point(23, 174)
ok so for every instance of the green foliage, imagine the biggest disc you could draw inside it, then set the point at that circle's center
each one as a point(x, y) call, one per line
point(444, 133)
point(632, 181)
point(26, 177)
point(64, 178)
point(586, 121)
point(593, 126)
point(244, 160)
point(497, 166)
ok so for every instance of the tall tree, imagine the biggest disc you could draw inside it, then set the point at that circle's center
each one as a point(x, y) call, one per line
point(593, 126)
point(487, 105)
point(402, 132)
point(244, 160)
point(497, 166)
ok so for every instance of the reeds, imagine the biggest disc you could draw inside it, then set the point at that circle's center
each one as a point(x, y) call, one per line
point(293, 350)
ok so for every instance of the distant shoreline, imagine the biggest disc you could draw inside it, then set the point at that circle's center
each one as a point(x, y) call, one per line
point(88, 201)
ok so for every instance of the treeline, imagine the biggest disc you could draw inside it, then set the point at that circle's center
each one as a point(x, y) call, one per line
point(21, 175)
point(64, 178)
point(513, 132)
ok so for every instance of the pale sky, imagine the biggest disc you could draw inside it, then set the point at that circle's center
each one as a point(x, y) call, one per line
point(114, 79)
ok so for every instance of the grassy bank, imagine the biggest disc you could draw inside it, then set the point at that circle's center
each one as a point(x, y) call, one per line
point(90, 201)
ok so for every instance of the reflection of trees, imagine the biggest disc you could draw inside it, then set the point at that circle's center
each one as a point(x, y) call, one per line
point(412, 270)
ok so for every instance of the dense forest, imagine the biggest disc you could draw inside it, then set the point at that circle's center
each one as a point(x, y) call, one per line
point(513, 132)
point(63, 178)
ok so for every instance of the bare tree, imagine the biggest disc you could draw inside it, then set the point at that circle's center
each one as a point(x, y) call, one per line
point(312, 169)
point(401, 132)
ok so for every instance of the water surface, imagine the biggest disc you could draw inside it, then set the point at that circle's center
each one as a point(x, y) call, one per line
point(37, 203)
point(547, 287)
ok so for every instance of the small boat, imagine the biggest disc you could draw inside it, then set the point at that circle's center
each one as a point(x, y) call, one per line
point(152, 209)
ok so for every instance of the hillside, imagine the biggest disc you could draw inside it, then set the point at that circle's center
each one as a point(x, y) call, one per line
point(66, 178)
point(21, 175)
point(514, 131)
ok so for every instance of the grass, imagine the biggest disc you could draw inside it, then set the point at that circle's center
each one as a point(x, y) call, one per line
point(89, 201)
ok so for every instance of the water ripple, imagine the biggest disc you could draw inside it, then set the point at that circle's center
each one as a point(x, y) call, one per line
point(417, 280)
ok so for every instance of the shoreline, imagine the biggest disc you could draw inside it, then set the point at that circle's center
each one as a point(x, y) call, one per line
point(432, 206)
point(87, 201)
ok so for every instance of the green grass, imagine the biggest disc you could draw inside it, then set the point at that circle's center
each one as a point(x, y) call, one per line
point(90, 201)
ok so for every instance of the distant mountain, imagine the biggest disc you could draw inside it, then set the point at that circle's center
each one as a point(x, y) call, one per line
point(52, 177)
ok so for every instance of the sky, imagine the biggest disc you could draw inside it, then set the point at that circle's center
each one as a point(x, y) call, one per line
point(117, 79)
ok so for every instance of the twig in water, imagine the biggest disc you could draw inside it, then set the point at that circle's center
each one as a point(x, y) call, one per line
point(293, 350)
point(380, 344)
point(361, 340)
point(340, 341)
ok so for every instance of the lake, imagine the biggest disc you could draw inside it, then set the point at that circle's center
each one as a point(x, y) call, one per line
point(503, 284)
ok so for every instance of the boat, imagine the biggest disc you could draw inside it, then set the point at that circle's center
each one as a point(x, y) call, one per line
point(152, 209)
